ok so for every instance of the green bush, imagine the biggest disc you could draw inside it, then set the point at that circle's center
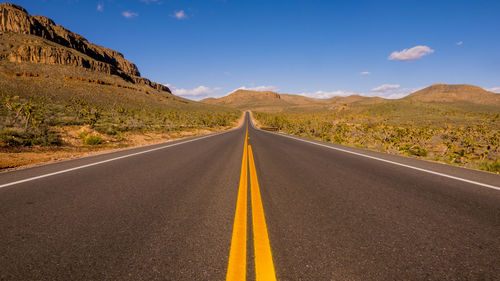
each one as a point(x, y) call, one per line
point(92, 140)
point(83, 135)
point(107, 129)
point(493, 166)
point(20, 137)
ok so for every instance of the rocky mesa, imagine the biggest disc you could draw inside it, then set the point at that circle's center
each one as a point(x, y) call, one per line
point(37, 39)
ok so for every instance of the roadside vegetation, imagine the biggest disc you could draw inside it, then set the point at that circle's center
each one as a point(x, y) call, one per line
point(29, 124)
point(439, 132)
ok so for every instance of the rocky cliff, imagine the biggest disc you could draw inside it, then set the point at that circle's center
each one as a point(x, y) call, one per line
point(49, 43)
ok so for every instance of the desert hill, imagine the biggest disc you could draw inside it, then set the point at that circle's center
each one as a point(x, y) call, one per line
point(265, 101)
point(455, 93)
point(245, 98)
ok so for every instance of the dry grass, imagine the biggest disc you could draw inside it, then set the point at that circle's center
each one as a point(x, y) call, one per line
point(45, 116)
point(467, 137)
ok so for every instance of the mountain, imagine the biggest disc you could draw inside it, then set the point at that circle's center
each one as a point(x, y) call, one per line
point(271, 101)
point(455, 93)
point(245, 99)
point(53, 81)
point(265, 101)
point(38, 40)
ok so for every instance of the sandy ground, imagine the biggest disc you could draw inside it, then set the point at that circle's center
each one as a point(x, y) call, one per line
point(16, 158)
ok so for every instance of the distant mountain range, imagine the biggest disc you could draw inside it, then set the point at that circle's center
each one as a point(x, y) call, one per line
point(271, 101)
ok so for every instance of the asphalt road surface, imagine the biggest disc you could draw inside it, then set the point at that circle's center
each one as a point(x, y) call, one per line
point(267, 207)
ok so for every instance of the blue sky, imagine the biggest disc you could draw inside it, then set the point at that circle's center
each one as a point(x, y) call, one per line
point(316, 48)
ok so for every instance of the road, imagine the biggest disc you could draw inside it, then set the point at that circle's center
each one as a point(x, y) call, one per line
point(262, 207)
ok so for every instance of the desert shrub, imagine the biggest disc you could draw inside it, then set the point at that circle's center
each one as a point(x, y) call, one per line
point(92, 140)
point(34, 120)
point(83, 135)
point(417, 151)
point(471, 141)
point(493, 166)
point(107, 129)
point(20, 137)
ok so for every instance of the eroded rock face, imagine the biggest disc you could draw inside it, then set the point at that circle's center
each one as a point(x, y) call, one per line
point(69, 48)
point(16, 19)
point(154, 85)
point(51, 55)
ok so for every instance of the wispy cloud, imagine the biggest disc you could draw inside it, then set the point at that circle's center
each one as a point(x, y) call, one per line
point(399, 94)
point(494, 90)
point(411, 54)
point(385, 88)
point(364, 73)
point(459, 43)
point(196, 93)
point(129, 15)
point(388, 91)
point(326, 94)
point(100, 6)
point(151, 1)
point(180, 15)
point(260, 88)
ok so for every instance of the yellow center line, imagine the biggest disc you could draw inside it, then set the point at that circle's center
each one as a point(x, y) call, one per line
point(264, 266)
point(237, 265)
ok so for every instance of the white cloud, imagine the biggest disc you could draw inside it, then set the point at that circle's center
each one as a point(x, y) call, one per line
point(411, 54)
point(494, 90)
point(326, 94)
point(391, 91)
point(397, 95)
point(129, 14)
point(384, 91)
point(364, 73)
point(198, 92)
point(179, 15)
point(459, 43)
point(260, 88)
point(386, 88)
point(100, 7)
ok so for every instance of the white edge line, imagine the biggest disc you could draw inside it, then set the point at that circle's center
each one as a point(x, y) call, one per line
point(112, 159)
point(383, 160)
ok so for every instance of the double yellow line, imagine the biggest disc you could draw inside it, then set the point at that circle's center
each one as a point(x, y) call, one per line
point(237, 265)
